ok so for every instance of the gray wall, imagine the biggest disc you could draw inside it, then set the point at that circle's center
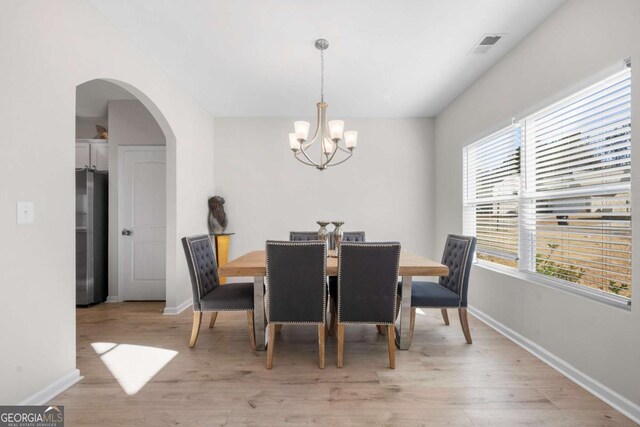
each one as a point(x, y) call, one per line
point(130, 123)
point(86, 126)
point(575, 44)
point(385, 189)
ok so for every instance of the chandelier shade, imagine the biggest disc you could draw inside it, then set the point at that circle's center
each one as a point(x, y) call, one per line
point(329, 138)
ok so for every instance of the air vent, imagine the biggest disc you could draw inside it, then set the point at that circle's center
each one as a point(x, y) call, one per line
point(488, 40)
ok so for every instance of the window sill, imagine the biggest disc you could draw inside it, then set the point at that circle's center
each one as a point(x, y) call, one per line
point(593, 294)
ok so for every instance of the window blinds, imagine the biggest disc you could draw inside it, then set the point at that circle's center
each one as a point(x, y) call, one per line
point(491, 188)
point(576, 198)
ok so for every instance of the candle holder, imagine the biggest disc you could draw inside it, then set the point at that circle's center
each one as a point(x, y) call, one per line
point(323, 234)
point(337, 233)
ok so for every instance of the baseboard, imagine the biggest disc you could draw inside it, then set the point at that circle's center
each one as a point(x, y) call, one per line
point(112, 299)
point(53, 389)
point(172, 311)
point(602, 392)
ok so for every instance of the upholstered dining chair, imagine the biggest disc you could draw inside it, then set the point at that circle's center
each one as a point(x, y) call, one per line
point(367, 289)
point(450, 291)
point(303, 236)
point(208, 294)
point(296, 289)
point(348, 236)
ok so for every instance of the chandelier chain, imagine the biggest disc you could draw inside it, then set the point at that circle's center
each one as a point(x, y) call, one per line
point(321, 75)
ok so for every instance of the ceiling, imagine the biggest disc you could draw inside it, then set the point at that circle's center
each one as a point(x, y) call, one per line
point(401, 58)
point(92, 97)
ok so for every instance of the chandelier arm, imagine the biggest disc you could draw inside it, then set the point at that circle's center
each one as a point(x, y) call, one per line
point(341, 161)
point(343, 150)
point(307, 157)
point(303, 162)
point(335, 150)
point(318, 124)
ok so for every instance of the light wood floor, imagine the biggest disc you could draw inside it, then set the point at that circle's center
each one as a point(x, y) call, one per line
point(440, 381)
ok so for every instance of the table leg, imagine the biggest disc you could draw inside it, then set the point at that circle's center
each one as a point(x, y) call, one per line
point(258, 312)
point(222, 253)
point(403, 336)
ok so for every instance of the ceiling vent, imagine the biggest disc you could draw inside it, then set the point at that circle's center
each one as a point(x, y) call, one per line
point(487, 42)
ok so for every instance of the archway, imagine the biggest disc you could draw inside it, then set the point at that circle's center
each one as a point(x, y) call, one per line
point(115, 289)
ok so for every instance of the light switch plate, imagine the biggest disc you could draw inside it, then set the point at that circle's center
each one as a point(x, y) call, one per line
point(24, 213)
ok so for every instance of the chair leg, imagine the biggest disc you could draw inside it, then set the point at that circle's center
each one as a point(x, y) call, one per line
point(197, 318)
point(412, 323)
point(270, 346)
point(333, 310)
point(380, 329)
point(278, 329)
point(212, 321)
point(391, 342)
point(252, 331)
point(445, 315)
point(321, 337)
point(340, 344)
point(465, 324)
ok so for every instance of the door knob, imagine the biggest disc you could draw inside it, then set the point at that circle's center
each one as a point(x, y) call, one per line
point(126, 232)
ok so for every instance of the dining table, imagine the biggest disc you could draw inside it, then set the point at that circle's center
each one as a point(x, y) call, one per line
point(254, 264)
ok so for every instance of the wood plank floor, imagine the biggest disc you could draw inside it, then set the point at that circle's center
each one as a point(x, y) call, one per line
point(440, 381)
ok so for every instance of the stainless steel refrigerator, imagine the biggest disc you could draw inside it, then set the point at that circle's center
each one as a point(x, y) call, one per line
point(91, 236)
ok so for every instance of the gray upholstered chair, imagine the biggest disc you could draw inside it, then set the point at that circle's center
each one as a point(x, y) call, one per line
point(348, 236)
point(303, 236)
point(367, 289)
point(208, 294)
point(296, 289)
point(450, 291)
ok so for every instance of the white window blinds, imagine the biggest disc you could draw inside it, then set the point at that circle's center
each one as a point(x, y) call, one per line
point(491, 189)
point(576, 199)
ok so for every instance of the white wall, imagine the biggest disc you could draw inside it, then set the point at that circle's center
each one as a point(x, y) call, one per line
point(48, 48)
point(86, 126)
point(385, 189)
point(130, 123)
point(576, 43)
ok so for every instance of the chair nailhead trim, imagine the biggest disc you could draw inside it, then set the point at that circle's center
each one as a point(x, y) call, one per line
point(324, 281)
point(395, 294)
point(195, 263)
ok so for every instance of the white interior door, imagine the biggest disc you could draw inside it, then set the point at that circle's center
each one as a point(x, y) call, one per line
point(142, 222)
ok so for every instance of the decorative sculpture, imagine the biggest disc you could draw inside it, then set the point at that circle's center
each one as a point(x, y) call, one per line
point(103, 133)
point(217, 216)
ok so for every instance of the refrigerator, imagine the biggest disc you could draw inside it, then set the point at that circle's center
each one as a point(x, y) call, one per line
point(91, 236)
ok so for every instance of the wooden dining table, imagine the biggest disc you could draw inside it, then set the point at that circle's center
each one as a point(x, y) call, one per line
point(254, 264)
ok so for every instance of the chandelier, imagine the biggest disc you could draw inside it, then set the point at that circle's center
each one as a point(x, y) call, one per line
point(328, 136)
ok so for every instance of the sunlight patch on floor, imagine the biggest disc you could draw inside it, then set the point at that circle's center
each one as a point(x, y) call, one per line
point(420, 312)
point(133, 366)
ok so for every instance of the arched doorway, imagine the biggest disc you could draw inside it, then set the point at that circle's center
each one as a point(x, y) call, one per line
point(136, 111)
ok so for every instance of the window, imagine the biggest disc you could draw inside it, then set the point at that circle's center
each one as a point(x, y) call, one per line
point(557, 202)
point(491, 195)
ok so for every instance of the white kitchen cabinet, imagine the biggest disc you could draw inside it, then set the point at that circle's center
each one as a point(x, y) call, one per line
point(92, 153)
point(100, 156)
point(83, 155)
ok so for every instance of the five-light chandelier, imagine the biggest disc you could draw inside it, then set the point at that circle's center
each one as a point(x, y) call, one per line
point(327, 135)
